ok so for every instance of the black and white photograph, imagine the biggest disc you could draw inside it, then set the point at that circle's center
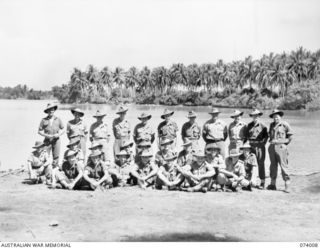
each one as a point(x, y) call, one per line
point(159, 121)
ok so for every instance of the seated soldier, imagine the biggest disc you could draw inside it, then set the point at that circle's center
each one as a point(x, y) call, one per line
point(216, 166)
point(168, 174)
point(127, 146)
point(70, 175)
point(95, 146)
point(165, 150)
point(250, 164)
point(40, 164)
point(74, 146)
point(185, 156)
point(145, 170)
point(120, 171)
point(96, 172)
point(234, 176)
point(143, 146)
point(193, 171)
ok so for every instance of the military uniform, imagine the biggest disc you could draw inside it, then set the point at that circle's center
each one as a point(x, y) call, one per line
point(184, 158)
point(79, 128)
point(196, 170)
point(79, 156)
point(38, 162)
point(237, 132)
point(70, 172)
point(159, 158)
point(238, 169)
point(123, 170)
point(99, 133)
point(51, 127)
point(278, 153)
point(215, 132)
point(191, 132)
point(168, 130)
point(121, 132)
point(143, 132)
point(170, 172)
point(145, 169)
point(257, 135)
point(250, 166)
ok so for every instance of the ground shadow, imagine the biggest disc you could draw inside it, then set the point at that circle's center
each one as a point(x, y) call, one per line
point(182, 237)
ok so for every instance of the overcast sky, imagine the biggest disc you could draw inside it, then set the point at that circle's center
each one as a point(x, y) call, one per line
point(42, 40)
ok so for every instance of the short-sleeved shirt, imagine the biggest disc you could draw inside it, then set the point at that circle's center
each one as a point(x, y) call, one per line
point(249, 163)
point(184, 158)
point(170, 172)
point(159, 157)
point(197, 169)
point(38, 161)
point(99, 131)
point(237, 131)
point(214, 130)
point(191, 131)
point(237, 168)
point(121, 129)
point(217, 163)
point(124, 170)
point(280, 131)
point(79, 156)
point(71, 171)
point(145, 169)
point(168, 130)
point(96, 171)
point(79, 128)
point(51, 126)
point(143, 132)
point(257, 132)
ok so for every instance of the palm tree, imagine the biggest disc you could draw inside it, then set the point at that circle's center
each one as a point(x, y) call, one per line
point(118, 78)
point(132, 79)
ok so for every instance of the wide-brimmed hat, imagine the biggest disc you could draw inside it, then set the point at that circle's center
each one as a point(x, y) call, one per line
point(144, 144)
point(191, 114)
point(38, 144)
point(123, 153)
point(126, 144)
point(255, 112)
point(276, 111)
point(236, 113)
point(122, 109)
point(165, 141)
point(213, 146)
point(187, 142)
point(73, 141)
point(50, 106)
point(234, 153)
point(99, 114)
point(71, 153)
point(166, 112)
point(199, 153)
point(144, 116)
point(214, 111)
point(77, 110)
point(170, 157)
point(146, 153)
point(95, 145)
point(95, 153)
point(245, 146)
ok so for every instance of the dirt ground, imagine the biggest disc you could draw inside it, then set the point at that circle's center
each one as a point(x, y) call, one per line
point(132, 214)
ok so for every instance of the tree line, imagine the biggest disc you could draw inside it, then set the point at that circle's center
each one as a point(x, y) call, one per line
point(23, 92)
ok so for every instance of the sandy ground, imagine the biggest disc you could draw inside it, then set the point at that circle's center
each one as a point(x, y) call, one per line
point(131, 214)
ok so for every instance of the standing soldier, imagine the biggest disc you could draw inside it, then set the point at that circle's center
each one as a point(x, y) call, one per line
point(191, 130)
point(257, 135)
point(215, 131)
point(167, 128)
point(237, 131)
point(76, 126)
point(143, 131)
point(121, 129)
point(99, 133)
point(280, 134)
point(51, 128)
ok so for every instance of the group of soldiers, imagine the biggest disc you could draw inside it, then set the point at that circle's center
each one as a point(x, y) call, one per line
point(238, 166)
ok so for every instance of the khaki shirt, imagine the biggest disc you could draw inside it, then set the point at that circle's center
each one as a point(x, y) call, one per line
point(237, 168)
point(214, 130)
point(145, 169)
point(121, 129)
point(237, 131)
point(99, 131)
point(280, 131)
point(197, 169)
point(257, 132)
point(168, 130)
point(51, 127)
point(38, 161)
point(143, 133)
point(159, 157)
point(184, 159)
point(96, 171)
point(191, 131)
point(170, 172)
point(74, 128)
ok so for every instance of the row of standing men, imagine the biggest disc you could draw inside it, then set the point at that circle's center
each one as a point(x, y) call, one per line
point(214, 131)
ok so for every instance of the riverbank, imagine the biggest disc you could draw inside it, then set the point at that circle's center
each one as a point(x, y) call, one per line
point(37, 213)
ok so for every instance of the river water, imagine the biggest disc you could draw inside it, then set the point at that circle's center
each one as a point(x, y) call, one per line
point(20, 120)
